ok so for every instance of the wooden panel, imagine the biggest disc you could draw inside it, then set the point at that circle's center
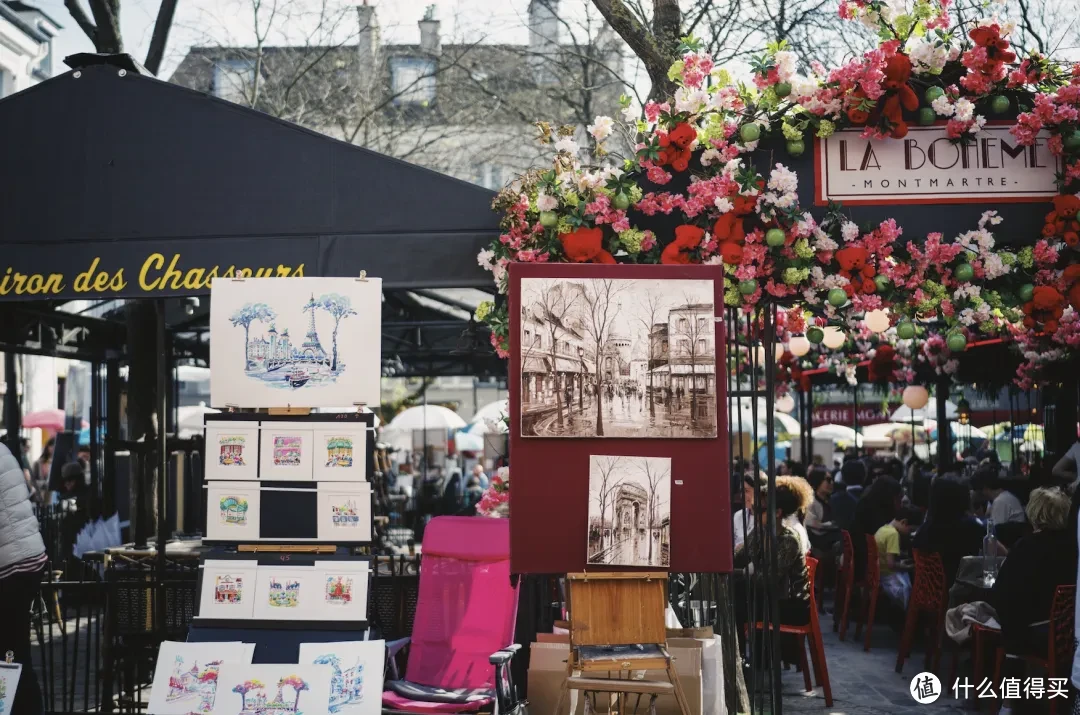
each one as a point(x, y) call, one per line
point(613, 685)
point(611, 610)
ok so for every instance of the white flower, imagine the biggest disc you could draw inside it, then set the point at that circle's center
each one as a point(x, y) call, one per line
point(714, 260)
point(994, 267)
point(709, 157)
point(783, 180)
point(965, 109)
point(785, 65)
point(630, 114)
point(849, 231)
point(689, 99)
point(567, 145)
point(967, 290)
point(822, 242)
point(943, 106)
point(498, 270)
point(732, 167)
point(802, 87)
point(486, 259)
point(546, 203)
point(723, 204)
point(977, 125)
point(989, 217)
point(601, 128)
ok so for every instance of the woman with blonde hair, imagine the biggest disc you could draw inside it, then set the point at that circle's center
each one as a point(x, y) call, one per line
point(794, 496)
point(1037, 564)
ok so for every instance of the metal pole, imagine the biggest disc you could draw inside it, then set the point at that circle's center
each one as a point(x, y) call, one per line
point(855, 417)
point(944, 447)
point(769, 339)
point(162, 408)
point(12, 409)
point(95, 443)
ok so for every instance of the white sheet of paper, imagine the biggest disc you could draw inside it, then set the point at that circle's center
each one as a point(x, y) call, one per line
point(357, 681)
point(232, 450)
point(340, 454)
point(9, 683)
point(228, 589)
point(232, 511)
point(185, 679)
point(288, 593)
point(344, 512)
point(344, 591)
point(285, 451)
point(273, 689)
point(301, 342)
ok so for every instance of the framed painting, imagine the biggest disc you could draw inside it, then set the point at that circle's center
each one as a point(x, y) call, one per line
point(357, 680)
point(629, 511)
point(340, 455)
point(345, 590)
point(285, 451)
point(344, 512)
point(232, 450)
point(232, 511)
point(9, 683)
point(228, 589)
point(295, 342)
point(273, 689)
point(186, 675)
point(287, 593)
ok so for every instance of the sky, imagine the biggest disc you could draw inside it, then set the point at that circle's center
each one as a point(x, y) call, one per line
point(221, 22)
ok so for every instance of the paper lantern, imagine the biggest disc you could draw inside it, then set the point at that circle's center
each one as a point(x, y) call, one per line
point(759, 355)
point(786, 403)
point(916, 396)
point(877, 321)
point(799, 345)
point(834, 337)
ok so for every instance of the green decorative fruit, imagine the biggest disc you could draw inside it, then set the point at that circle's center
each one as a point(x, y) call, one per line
point(750, 132)
point(1072, 142)
point(621, 201)
point(957, 342)
point(905, 330)
point(837, 297)
point(933, 93)
point(775, 237)
point(927, 116)
point(882, 282)
point(796, 147)
point(964, 272)
point(815, 334)
point(999, 104)
point(748, 286)
point(782, 89)
point(549, 219)
point(1026, 291)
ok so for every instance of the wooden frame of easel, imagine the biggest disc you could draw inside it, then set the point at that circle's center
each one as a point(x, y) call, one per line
point(611, 609)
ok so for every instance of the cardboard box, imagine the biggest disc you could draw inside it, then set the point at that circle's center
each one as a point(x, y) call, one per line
point(547, 671)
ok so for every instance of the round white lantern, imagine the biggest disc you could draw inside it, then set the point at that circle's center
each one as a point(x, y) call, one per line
point(785, 403)
point(916, 396)
point(877, 321)
point(799, 345)
point(759, 355)
point(834, 337)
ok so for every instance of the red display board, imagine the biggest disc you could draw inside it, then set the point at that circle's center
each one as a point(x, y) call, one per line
point(550, 491)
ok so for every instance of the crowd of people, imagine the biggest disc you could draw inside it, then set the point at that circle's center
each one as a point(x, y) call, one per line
point(1027, 523)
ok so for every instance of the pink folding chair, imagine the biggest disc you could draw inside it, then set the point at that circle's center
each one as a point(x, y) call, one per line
point(462, 639)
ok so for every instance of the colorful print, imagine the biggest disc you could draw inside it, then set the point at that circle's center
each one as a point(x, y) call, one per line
point(255, 701)
point(228, 589)
point(231, 450)
point(233, 511)
point(338, 590)
point(339, 452)
point(346, 685)
point(193, 683)
point(345, 515)
point(284, 595)
point(287, 451)
point(3, 693)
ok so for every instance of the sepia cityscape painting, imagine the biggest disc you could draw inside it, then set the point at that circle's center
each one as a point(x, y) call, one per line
point(606, 357)
point(629, 511)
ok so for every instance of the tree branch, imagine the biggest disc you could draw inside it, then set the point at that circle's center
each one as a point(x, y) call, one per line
point(160, 38)
point(81, 19)
point(656, 49)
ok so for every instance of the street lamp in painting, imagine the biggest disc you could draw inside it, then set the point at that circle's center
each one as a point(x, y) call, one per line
point(581, 380)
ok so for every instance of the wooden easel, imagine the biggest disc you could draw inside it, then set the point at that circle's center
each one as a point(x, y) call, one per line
point(617, 626)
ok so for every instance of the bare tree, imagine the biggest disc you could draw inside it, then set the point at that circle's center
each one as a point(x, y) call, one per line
point(606, 484)
point(655, 475)
point(691, 338)
point(651, 305)
point(555, 304)
point(104, 29)
point(599, 314)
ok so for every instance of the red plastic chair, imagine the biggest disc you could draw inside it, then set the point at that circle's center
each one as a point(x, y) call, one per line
point(812, 632)
point(1060, 640)
point(846, 580)
point(462, 637)
point(928, 596)
point(872, 582)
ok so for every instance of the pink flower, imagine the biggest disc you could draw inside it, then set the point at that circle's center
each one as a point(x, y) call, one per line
point(648, 242)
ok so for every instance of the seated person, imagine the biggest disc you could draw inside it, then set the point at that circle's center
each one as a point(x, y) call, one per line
point(843, 501)
point(794, 496)
point(949, 528)
point(790, 577)
point(823, 532)
point(744, 518)
point(895, 575)
point(1036, 565)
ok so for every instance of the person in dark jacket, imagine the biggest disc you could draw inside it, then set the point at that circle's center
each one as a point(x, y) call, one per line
point(22, 560)
point(1036, 566)
point(843, 501)
point(877, 507)
point(949, 529)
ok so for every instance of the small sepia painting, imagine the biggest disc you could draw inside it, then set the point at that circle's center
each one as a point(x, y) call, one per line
point(629, 511)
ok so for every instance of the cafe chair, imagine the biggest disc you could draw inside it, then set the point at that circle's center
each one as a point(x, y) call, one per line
point(928, 597)
point(462, 638)
point(1060, 642)
point(810, 632)
point(846, 581)
point(872, 582)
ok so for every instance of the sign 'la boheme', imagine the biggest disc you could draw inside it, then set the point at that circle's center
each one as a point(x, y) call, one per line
point(926, 167)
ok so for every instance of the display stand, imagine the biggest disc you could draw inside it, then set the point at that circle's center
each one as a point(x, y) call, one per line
point(617, 626)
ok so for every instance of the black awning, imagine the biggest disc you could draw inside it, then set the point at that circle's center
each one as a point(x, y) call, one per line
point(124, 185)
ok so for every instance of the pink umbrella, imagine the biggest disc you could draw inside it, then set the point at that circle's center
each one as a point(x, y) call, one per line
point(46, 419)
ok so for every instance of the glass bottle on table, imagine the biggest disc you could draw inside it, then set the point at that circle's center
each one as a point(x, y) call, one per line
point(990, 554)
